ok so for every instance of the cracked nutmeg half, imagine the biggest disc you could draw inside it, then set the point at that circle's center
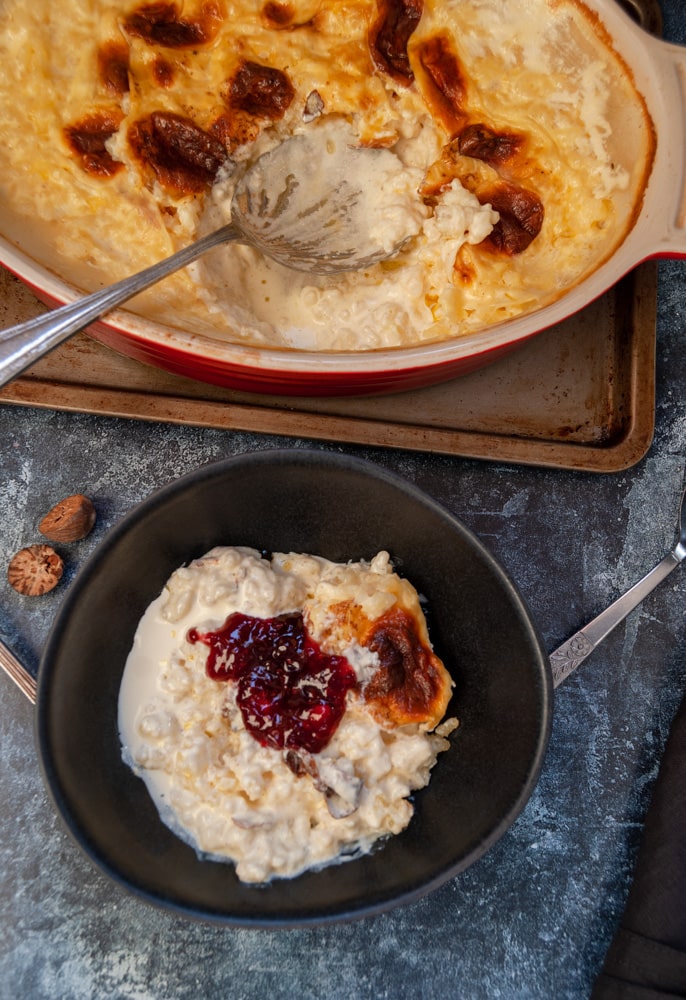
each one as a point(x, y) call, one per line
point(35, 570)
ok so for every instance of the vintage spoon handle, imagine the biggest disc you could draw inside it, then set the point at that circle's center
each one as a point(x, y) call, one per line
point(23, 344)
point(570, 654)
point(19, 674)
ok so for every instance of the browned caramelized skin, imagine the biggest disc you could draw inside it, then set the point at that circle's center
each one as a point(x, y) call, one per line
point(443, 82)
point(521, 218)
point(390, 35)
point(87, 138)
point(444, 88)
point(484, 143)
point(259, 90)
point(163, 72)
point(162, 24)
point(183, 157)
point(280, 16)
point(521, 210)
point(410, 683)
point(113, 67)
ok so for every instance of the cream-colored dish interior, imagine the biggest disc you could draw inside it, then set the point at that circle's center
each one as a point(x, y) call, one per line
point(544, 70)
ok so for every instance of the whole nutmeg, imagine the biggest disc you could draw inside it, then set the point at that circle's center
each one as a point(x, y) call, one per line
point(35, 570)
point(70, 520)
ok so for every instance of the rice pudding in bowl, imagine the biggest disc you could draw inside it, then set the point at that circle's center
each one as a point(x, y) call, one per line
point(340, 507)
point(281, 711)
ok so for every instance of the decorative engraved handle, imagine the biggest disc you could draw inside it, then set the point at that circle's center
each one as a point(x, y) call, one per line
point(19, 674)
point(569, 655)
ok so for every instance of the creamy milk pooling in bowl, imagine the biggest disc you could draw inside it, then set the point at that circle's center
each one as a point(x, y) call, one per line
point(522, 142)
point(282, 710)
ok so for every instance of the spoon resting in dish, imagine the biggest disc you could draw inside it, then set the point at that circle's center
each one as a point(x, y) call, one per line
point(311, 203)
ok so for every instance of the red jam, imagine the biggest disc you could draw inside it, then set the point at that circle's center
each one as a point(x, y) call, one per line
point(291, 694)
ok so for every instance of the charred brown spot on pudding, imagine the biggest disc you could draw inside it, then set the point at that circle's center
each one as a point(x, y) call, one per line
point(521, 218)
point(163, 24)
point(261, 91)
point(163, 73)
point(87, 139)
point(390, 35)
point(487, 144)
point(410, 682)
point(183, 157)
point(113, 67)
point(443, 82)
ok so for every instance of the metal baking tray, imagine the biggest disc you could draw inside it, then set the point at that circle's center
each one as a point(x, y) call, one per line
point(580, 395)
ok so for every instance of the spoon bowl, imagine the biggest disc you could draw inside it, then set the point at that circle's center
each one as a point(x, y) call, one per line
point(317, 203)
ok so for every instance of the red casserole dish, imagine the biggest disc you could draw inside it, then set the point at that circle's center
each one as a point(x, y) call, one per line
point(656, 229)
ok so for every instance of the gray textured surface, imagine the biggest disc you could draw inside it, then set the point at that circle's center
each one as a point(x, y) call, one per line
point(534, 917)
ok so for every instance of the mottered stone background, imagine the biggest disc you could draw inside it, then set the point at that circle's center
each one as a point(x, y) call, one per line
point(534, 917)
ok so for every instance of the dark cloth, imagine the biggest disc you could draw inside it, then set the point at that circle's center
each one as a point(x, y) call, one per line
point(647, 957)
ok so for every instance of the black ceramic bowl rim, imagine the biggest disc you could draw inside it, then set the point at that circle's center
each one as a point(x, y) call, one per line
point(458, 817)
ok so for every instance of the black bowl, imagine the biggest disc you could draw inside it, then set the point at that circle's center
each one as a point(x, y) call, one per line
point(340, 508)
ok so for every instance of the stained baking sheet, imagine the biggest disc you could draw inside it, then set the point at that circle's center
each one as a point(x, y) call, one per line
point(579, 396)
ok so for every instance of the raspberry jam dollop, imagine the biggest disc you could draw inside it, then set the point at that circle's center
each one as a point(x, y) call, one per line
point(291, 694)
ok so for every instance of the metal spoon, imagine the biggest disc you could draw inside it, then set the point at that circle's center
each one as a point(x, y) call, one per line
point(291, 204)
point(570, 654)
